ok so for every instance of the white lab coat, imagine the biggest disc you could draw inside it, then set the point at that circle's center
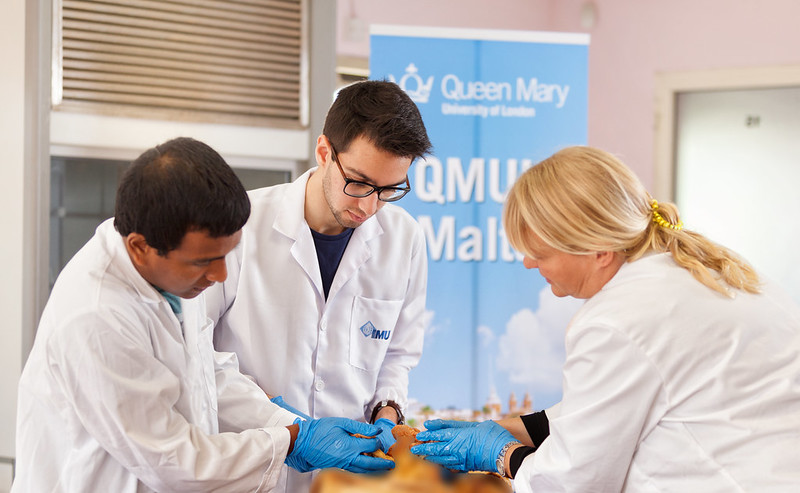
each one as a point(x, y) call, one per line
point(116, 397)
point(672, 387)
point(273, 314)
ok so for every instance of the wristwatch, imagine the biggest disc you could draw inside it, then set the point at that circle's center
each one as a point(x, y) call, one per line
point(401, 419)
point(500, 463)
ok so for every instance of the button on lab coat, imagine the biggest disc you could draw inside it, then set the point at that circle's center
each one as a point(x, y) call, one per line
point(118, 396)
point(334, 357)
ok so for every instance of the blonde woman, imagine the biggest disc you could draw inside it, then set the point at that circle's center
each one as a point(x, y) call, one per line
point(682, 369)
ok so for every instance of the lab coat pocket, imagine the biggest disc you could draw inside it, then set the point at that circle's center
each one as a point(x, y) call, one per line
point(372, 324)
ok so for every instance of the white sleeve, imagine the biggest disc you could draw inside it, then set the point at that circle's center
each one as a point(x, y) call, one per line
point(612, 397)
point(242, 403)
point(552, 411)
point(405, 348)
point(125, 398)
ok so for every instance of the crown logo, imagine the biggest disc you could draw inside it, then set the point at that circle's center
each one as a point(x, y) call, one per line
point(418, 90)
point(367, 329)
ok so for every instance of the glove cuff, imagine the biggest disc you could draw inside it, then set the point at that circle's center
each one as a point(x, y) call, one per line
point(299, 442)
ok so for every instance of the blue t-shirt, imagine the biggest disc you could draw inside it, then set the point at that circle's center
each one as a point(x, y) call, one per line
point(330, 249)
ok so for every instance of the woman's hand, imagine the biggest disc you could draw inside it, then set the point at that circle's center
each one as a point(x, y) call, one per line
point(463, 446)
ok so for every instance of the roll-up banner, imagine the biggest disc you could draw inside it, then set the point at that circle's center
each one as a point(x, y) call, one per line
point(494, 103)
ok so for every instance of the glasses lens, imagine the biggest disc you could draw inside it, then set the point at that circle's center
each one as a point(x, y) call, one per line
point(392, 194)
point(358, 189)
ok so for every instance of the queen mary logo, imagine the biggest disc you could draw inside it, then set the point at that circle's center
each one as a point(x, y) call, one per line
point(418, 89)
point(367, 329)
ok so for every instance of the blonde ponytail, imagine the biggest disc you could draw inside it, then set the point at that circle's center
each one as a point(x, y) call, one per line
point(710, 263)
point(582, 200)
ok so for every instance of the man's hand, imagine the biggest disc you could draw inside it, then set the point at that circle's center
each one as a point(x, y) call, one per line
point(385, 437)
point(329, 442)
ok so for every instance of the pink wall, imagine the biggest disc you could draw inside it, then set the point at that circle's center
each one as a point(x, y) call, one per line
point(631, 41)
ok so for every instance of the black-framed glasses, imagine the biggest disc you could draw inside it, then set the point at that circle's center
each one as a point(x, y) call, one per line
point(359, 189)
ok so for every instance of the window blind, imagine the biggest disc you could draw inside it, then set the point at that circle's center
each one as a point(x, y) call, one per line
point(237, 61)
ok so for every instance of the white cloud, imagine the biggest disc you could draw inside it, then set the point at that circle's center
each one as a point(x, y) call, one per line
point(427, 322)
point(486, 335)
point(532, 348)
point(430, 327)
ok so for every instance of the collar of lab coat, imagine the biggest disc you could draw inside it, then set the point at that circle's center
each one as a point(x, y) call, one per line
point(651, 264)
point(115, 245)
point(290, 221)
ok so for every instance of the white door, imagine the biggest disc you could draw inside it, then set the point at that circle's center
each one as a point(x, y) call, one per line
point(737, 174)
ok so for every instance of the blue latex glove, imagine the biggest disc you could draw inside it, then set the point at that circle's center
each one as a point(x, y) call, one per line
point(463, 447)
point(278, 400)
point(328, 442)
point(385, 436)
point(438, 424)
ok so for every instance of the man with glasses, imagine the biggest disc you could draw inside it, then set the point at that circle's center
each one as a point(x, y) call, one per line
point(325, 298)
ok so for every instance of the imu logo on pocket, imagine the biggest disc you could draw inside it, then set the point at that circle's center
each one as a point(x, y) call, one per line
point(370, 331)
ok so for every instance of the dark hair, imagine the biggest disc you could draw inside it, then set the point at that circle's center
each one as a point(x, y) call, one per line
point(179, 186)
point(383, 113)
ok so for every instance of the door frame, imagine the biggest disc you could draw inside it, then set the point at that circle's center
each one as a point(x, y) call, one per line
point(668, 85)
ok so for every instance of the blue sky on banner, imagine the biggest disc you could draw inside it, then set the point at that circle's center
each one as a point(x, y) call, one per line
point(493, 107)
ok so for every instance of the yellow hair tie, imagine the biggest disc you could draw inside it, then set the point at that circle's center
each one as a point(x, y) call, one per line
point(661, 221)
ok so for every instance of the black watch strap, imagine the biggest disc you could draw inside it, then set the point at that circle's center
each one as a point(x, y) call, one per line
point(401, 419)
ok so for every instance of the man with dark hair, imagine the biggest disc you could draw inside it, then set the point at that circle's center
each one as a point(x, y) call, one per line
point(204, 194)
point(123, 390)
point(325, 300)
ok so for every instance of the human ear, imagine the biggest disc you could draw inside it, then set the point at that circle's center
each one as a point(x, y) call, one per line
point(138, 249)
point(605, 259)
point(322, 150)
